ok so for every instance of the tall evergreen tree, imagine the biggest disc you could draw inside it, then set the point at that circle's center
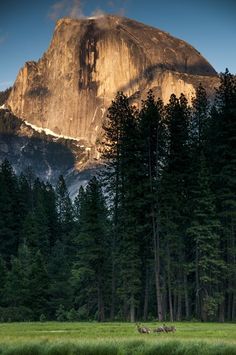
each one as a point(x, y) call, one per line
point(90, 269)
point(59, 271)
point(119, 155)
point(38, 286)
point(174, 197)
point(152, 156)
point(65, 216)
point(207, 261)
point(9, 212)
point(223, 158)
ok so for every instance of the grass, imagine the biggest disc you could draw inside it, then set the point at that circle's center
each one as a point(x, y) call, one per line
point(53, 338)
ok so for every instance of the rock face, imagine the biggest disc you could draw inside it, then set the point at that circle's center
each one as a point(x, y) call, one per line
point(46, 155)
point(70, 88)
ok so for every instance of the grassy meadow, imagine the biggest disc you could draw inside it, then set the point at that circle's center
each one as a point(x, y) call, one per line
point(115, 338)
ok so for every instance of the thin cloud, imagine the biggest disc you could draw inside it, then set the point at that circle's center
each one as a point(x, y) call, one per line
point(118, 7)
point(74, 9)
point(98, 13)
point(56, 10)
point(70, 8)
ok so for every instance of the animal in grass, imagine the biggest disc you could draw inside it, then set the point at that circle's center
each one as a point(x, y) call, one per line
point(165, 329)
point(170, 329)
point(142, 329)
point(159, 329)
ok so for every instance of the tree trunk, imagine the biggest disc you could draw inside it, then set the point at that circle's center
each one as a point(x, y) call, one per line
point(114, 242)
point(175, 305)
point(169, 284)
point(156, 241)
point(222, 312)
point(186, 296)
point(146, 296)
point(179, 308)
point(233, 315)
point(113, 286)
point(157, 276)
point(101, 313)
point(197, 299)
point(132, 310)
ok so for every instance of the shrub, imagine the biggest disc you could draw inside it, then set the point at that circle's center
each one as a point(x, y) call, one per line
point(61, 314)
point(42, 318)
point(16, 314)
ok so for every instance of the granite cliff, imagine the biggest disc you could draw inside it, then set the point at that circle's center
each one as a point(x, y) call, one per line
point(70, 88)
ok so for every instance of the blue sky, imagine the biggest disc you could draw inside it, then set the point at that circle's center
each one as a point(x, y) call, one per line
point(26, 27)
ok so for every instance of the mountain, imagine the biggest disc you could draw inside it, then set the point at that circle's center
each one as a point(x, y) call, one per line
point(62, 99)
point(70, 88)
point(48, 155)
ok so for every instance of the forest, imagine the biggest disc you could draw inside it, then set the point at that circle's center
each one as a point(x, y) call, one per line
point(151, 237)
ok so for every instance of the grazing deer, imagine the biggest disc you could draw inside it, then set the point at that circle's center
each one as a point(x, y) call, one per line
point(170, 329)
point(142, 329)
point(159, 330)
point(165, 329)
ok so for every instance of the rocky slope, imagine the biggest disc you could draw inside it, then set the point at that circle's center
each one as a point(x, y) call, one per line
point(48, 156)
point(70, 88)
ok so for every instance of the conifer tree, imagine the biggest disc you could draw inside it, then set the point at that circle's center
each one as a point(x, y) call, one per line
point(152, 156)
point(38, 286)
point(9, 213)
point(59, 272)
point(90, 269)
point(174, 209)
point(205, 238)
point(119, 155)
point(223, 159)
point(65, 215)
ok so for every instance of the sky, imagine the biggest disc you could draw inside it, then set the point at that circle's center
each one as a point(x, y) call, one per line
point(26, 27)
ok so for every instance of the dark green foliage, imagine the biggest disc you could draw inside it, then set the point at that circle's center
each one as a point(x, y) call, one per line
point(154, 238)
point(90, 269)
point(59, 272)
point(204, 232)
point(223, 161)
point(9, 213)
point(38, 286)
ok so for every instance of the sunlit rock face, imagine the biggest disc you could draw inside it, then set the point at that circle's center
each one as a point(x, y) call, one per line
point(70, 88)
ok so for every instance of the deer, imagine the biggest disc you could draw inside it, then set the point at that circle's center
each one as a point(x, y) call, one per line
point(170, 329)
point(159, 330)
point(165, 329)
point(142, 329)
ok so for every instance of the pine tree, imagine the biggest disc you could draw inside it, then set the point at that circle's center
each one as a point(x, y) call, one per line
point(9, 213)
point(204, 231)
point(38, 286)
point(65, 216)
point(152, 156)
point(174, 197)
point(59, 271)
point(223, 160)
point(16, 288)
point(200, 120)
point(90, 269)
point(119, 155)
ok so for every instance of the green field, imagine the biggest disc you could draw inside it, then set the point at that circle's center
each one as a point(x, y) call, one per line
point(115, 338)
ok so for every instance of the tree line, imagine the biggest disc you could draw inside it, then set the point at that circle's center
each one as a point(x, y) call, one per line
point(151, 237)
